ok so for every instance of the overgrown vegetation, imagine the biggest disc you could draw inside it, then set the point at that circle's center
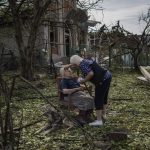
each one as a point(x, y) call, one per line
point(128, 110)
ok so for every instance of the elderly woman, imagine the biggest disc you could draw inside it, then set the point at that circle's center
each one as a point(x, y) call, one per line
point(101, 78)
point(70, 85)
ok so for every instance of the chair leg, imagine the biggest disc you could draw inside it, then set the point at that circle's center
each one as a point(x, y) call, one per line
point(85, 116)
point(82, 116)
point(89, 115)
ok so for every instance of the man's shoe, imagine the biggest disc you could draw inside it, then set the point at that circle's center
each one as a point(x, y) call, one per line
point(96, 123)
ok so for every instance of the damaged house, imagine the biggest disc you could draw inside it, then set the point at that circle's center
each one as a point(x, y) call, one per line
point(63, 32)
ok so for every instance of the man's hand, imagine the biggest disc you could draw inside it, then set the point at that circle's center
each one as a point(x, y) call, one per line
point(70, 91)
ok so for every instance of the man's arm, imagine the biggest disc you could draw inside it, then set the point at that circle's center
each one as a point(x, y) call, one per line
point(70, 91)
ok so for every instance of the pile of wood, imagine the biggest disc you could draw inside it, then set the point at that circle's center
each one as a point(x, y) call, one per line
point(55, 120)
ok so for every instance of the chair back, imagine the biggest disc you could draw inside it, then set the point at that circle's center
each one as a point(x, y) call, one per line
point(60, 94)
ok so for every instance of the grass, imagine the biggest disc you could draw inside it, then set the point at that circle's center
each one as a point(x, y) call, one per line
point(129, 103)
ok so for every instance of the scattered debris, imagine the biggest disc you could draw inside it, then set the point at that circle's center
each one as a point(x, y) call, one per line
point(117, 135)
point(40, 76)
point(102, 145)
point(68, 123)
point(146, 74)
point(58, 64)
point(55, 120)
point(40, 85)
point(142, 79)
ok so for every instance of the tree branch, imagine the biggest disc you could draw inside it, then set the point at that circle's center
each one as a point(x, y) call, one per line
point(92, 5)
point(20, 4)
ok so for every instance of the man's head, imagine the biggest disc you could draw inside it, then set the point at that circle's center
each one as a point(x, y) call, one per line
point(75, 60)
point(65, 72)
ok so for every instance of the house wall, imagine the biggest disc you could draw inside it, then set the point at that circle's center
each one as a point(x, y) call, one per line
point(65, 37)
point(60, 45)
point(7, 37)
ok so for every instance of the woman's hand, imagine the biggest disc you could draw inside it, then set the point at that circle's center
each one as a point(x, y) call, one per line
point(83, 87)
point(88, 77)
point(68, 66)
point(82, 81)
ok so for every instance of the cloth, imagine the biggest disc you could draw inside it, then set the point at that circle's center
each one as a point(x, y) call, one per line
point(85, 66)
point(107, 75)
point(89, 65)
point(101, 92)
point(81, 100)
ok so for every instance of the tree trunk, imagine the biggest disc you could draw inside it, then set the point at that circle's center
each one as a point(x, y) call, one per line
point(27, 52)
point(27, 70)
point(136, 58)
point(8, 147)
point(136, 62)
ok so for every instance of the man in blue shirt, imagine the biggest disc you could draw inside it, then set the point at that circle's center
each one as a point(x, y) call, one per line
point(70, 86)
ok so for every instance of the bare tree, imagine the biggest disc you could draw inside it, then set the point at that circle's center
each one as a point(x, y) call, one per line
point(36, 9)
point(135, 44)
point(26, 50)
point(90, 4)
point(6, 121)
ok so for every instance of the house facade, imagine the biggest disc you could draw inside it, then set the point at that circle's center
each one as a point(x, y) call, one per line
point(62, 33)
point(65, 29)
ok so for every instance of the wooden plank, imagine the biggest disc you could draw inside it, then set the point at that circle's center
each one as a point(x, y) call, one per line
point(145, 73)
point(142, 79)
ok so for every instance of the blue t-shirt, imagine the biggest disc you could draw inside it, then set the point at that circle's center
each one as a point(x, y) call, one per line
point(69, 83)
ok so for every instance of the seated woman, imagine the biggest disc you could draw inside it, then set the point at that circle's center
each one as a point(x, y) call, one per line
point(69, 85)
